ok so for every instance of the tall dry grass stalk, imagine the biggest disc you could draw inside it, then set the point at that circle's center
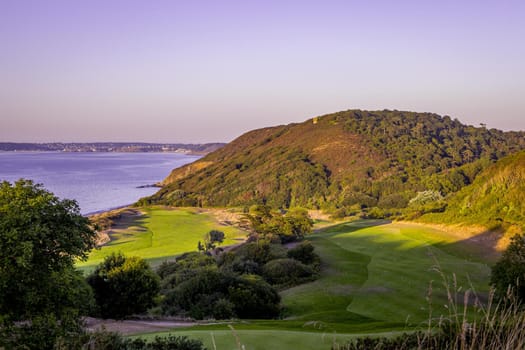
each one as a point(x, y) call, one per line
point(472, 324)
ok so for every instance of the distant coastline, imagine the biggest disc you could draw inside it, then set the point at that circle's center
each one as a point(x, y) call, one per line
point(120, 147)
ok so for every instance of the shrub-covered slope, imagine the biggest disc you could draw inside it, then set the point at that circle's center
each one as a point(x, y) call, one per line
point(347, 159)
point(496, 198)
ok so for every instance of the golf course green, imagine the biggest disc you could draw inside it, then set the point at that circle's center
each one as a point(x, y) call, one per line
point(377, 277)
point(158, 234)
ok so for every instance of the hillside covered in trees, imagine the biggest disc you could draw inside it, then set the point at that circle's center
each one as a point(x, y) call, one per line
point(496, 197)
point(341, 162)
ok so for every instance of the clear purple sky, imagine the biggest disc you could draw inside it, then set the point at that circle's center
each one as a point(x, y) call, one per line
point(195, 71)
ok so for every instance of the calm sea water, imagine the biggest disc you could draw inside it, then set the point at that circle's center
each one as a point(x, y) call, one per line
point(97, 181)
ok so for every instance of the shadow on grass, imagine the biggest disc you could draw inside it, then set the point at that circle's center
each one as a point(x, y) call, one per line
point(481, 247)
point(119, 229)
point(382, 276)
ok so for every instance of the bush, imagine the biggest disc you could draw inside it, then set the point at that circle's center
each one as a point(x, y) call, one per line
point(103, 340)
point(251, 257)
point(509, 272)
point(43, 332)
point(183, 268)
point(303, 252)
point(218, 294)
point(123, 286)
point(287, 272)
point(254, 298)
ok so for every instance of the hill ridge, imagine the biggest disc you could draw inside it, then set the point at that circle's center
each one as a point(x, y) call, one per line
point(341, 161)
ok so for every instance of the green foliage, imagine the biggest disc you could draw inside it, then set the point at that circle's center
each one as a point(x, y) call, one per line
point(40, 238)
point(508, 274)
point(123, 286)
point(43, 332)
point(495, 199)
point(211, 239)
point(103, 340)
point(234, 285)
point(353, 157)
point(428, 201)
point(303, 252)
point(287, 272)
point(183, 268)
point(250, 257)
point(217, 294)
point(425, 197)
point(273, 225)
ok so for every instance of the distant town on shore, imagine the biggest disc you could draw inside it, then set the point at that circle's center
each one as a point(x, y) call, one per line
point(110, 147)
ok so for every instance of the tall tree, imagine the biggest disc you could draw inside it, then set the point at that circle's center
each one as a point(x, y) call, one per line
point(124, 286)
point(41, 236)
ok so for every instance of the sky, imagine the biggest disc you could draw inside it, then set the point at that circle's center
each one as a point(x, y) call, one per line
point(208, 71)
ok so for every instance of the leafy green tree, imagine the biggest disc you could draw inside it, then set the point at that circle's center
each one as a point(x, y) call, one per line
point(509, 271)
point(41, 236)
point(211, 239)
point(291, 226)
point(123, 286)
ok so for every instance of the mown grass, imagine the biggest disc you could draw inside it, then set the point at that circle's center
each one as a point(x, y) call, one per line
point(159, 234)
point(375, 278)
point(376, 272)
point(256, 339)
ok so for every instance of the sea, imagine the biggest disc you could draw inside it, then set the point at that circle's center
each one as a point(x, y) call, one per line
point(97, 181)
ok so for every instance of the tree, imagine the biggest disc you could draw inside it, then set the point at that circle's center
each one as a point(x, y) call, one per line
point(293, 225)
point(123, 286)
point(41, 236)
point(509, 271)
point(211, 239)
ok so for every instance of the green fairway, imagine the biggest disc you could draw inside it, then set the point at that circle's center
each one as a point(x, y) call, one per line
point(375, 277)
point(228, 339)
point(379, 272)
point(374, 280)
point(161, 233)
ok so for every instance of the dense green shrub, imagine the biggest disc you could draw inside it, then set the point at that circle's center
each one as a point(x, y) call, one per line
point(123, 286)
point(249, 258)
point(216, 294)
point(43, 332)
point(303, 252)
point(508, 274)
point(287, 272)
point(231, 284)
point(183, 268)
point(103, 340)
point(407, 341)
point(254, 298)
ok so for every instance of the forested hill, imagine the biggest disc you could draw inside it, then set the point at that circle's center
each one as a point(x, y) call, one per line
point(496, 198)
point(341, 161)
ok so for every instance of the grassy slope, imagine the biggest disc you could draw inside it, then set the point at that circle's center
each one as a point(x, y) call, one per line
point(389, 276)
point(375, 278)
point(160, 234)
